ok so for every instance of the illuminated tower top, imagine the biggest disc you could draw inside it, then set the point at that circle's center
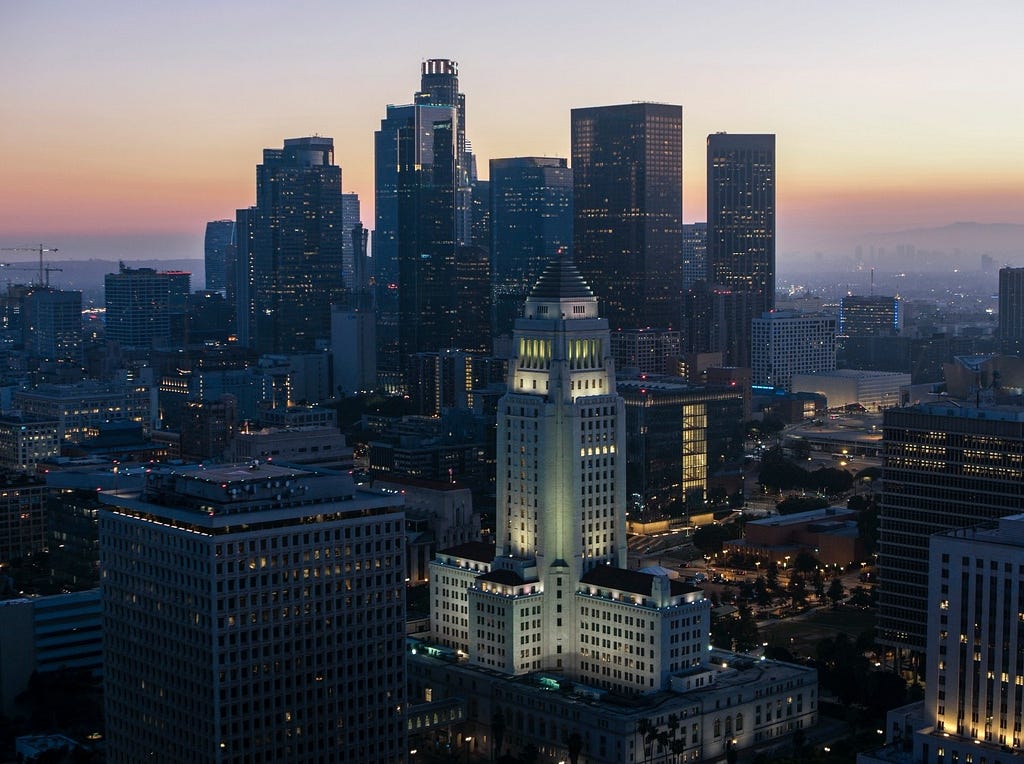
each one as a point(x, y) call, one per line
point(561, 483)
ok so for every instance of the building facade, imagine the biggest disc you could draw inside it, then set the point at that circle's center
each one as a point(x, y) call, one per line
point(27, 440)
point(217, 252)
point(785, 343)
point(275, 600)
point(140, 303)
point(552, 605)
point(677, 436)
point(290, 248)
point(695, 253)
point(52, 326)
point(870, 316)
point(22, 516)
point(627, 165)
point(945, 467)
point(79, 409)
point(973, 704)
point(1011, 307)
point(741, 232)
point(531, 217)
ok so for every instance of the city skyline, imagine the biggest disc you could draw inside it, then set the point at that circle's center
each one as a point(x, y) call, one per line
point(878, 110)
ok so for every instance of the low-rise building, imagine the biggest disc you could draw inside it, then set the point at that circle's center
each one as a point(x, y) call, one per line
point(829, 534)
point(22, 516)
point(26, 440)
point(874, 390)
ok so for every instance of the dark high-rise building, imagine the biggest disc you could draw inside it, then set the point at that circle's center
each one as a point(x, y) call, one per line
point(140, 303)
point(481, 214)
point(1011, 308)
point(695, 253)
point(870, 316)
point(677, 435)
point(439, 86)
point(741, 231)
point(220, 236)
point(350, 218)
point(423, 176)
point(627, 164)
point(290, 248)
point(232, 631)
point(52, 325)
point(946, 466)
point(423, 213)
point(531, 219)
point(471, 284)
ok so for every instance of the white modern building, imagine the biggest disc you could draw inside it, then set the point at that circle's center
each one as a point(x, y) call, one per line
point(874, 390)
point(974, 688)
point(784, 343)
point(553, 603)
point(253, 612)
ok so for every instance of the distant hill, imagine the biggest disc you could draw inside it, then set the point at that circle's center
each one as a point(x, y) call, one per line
point(970, 238)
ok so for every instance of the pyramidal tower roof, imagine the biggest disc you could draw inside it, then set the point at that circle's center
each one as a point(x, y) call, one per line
point(561, 281)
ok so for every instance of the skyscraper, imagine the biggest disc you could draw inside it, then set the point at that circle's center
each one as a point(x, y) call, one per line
point(741, 231)
point(439, 86)
point(290, 248)
point(554, 598)
point(52, 325)
point(423, 212)
point(787, 342)
point(695, 253)
point(140, 302)
point(350, 218)
point(1011, 308)
point(627, 165)
point(220, 235)
point(562, 498)
point(531, 217)
point(870, 316)
point(253, 613)
point(946, 466)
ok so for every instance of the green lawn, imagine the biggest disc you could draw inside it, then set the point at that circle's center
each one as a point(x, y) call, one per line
point(801, 637)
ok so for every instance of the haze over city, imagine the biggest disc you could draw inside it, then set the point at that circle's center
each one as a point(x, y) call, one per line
point(128, 127)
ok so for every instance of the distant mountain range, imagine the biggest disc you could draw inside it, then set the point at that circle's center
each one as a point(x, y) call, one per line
point(970, 238)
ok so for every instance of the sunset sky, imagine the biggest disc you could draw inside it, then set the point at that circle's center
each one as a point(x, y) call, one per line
point(124, 127)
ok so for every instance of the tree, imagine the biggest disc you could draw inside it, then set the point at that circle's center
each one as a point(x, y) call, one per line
point(760, 592)
point(805, 562)
point(818, 582)
point(835, 592)
point(797, 589)
point(708, 539)
point(794, 504)
point(830, 480)
point(772, 575)
point(746, 635)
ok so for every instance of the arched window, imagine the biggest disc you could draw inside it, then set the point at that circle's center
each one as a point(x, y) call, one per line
point(728, 725)
point(718, 727)
point(739, 722)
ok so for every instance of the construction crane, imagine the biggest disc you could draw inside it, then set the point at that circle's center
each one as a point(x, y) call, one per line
point(42, 269)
